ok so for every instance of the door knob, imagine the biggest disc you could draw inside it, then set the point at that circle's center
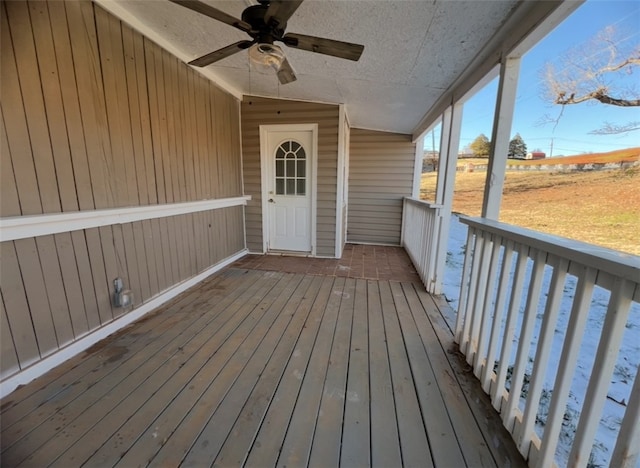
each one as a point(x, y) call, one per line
point(271, 200)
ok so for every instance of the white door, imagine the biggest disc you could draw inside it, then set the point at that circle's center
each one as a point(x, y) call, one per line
point(289, 159)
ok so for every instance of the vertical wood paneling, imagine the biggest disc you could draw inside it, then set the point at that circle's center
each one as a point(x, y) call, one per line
point(8, 358)
point(102, 118)
point(16, 306)
point(47, 66)
point(109, 39)
point(88, 70)
point(16, 126)
point(70, 103)
point(87, 247)
point(71, 280)
point(9, 202)
point(138, 157)
point(380, 175)
point(31, 86)
point(55, 289)
point(34, 285)
point(261, 111)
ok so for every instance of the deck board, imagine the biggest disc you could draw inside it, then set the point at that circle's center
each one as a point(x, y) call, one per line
point(263, 368)
point(356, 449)
point(385, 450)
point(414, 445)
point(296, 446)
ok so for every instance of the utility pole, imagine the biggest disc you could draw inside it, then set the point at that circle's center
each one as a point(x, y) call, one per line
point(551, 150)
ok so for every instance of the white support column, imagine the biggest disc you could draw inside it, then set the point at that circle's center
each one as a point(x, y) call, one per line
point(417, 168)
point(341, 195)
point(449, 145)
point(509, 72)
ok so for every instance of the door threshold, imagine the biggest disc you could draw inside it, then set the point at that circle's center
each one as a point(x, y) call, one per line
point(288, 253)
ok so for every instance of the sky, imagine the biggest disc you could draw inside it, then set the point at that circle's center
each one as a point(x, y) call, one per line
point(571, 134)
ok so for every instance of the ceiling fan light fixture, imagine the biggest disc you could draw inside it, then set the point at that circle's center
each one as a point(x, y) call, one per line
point(266, 57)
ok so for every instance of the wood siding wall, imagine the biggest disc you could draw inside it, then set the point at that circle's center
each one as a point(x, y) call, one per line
point(261, 111)
point(380, 176)
point(94, 116)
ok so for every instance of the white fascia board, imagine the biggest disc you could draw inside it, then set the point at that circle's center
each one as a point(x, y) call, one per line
point(22, 227)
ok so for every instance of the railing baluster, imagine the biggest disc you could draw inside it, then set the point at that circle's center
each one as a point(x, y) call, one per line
point(543, 350)
point(471, 297)
point(627, 450)
point(612, 331)
point(568, 359)
point(512, 316)
point(480, 290)
point(524, 341)
point(505, 273)
point(487, 315)
point(465, 285)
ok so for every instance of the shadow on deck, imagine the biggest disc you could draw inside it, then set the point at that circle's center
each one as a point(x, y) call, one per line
point(273, 361)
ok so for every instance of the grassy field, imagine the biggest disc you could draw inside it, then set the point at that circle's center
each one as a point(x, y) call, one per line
point(599, 207)
point(625, 155)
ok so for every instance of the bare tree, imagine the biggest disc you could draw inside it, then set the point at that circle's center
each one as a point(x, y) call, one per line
point(595, 71)
point(610, 128)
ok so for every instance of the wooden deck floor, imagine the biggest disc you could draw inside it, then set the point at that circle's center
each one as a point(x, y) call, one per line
point(265, 368)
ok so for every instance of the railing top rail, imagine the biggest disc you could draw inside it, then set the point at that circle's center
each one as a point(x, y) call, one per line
point(619, 264)
point(426, 204)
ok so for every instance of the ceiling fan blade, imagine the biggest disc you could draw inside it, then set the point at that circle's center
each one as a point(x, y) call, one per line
point(214, 13)
point(281, 10)
point(219, 54)
point(286, 73)
point(345, 50)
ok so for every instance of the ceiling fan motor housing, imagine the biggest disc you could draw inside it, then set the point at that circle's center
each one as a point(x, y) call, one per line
point(261, 31)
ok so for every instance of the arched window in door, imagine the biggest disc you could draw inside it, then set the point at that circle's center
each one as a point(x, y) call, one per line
point(291, 169)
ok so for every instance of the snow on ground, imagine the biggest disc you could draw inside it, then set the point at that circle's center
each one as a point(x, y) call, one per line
point(624, 373)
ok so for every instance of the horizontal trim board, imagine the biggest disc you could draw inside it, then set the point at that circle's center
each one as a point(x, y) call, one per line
point(45, 365)
point(23, 227)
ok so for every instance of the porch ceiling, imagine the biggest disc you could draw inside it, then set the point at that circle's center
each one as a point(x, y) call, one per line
point(414, 50)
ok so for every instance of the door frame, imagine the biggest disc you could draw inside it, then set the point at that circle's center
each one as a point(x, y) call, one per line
point(266, 174)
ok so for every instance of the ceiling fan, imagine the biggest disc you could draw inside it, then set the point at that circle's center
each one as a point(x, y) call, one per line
point(265, 23)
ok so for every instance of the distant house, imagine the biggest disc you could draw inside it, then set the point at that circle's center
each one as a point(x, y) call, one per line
point(536, 155)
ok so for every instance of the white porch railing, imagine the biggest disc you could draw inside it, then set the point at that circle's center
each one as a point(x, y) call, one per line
point(420, 226)
point(525, 302)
